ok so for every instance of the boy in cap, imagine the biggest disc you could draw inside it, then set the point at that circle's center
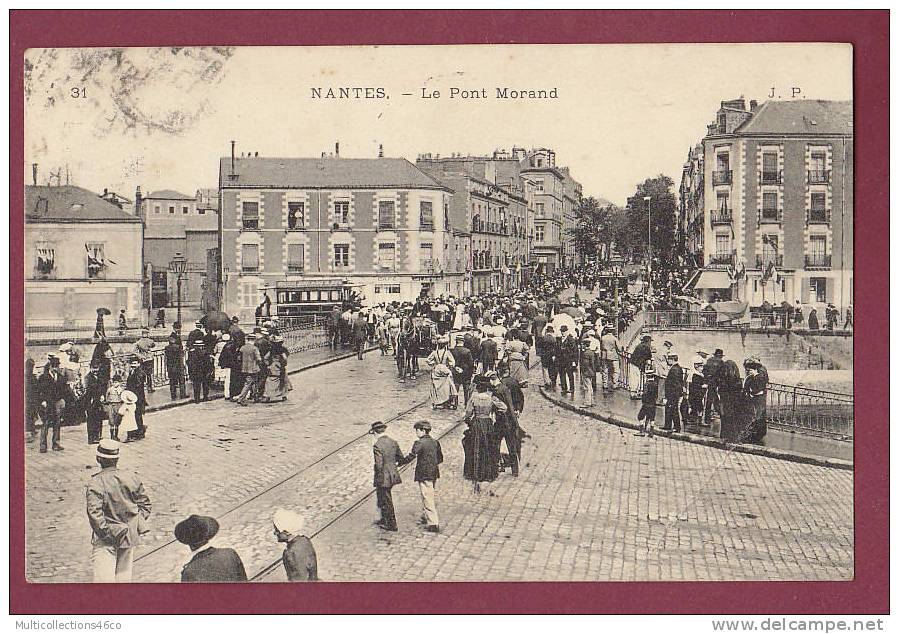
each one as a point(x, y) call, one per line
point(647, 414)
point(429, 455)
point(299, 559)
point(387, 456)
point(117, 506)
point(207, 563)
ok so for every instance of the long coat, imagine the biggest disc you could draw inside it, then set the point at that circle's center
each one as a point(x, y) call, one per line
point(387, 456)
point(214, 565)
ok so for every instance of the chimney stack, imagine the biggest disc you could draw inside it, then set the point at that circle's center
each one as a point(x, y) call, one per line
point(381, 150)
point(337, 149)
point(138, 203)
point(753, 104)
point(34, 173)
point(232, 157)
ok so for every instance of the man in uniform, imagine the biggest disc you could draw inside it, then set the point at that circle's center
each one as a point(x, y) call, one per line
point(117, 506)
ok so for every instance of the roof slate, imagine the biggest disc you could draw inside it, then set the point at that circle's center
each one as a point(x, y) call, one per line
point(336, 173)
point(808, 116)
point(62, 206)
point(169, 194)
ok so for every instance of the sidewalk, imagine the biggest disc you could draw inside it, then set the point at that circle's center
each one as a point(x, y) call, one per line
point(618, 408)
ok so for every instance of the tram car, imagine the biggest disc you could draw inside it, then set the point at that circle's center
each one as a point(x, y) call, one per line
point(312, 297)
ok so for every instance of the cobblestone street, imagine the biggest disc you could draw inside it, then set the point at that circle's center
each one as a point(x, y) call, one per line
point(593, 502)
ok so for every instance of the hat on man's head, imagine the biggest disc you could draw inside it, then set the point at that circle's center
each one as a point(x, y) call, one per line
point(226, 337)
point(108, 449)
point(196, 530)
point(645, 338)
point(377, 427)
point(719, 352)
point(288, 521)
point(673, 356)
point(423, 425)
point(563, 328)
point(198, 324)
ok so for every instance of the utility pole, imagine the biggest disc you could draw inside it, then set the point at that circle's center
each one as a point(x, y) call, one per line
point(648, 289)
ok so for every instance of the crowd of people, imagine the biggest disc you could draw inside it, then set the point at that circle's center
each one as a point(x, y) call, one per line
point(478, 351)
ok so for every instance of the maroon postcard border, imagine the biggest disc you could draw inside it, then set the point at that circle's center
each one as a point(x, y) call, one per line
point(868, 31)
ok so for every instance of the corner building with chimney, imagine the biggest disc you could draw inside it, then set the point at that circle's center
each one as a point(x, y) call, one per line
point(379, 224)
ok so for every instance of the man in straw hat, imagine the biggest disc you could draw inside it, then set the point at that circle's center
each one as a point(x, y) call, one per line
point(387, 456)
point(117, 507)
point(299, 559)
point(207, 563)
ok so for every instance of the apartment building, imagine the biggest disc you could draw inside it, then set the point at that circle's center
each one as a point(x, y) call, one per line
point(379, 224)
point(778, 185)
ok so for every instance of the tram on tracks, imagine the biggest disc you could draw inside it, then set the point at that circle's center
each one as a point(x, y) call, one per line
point(296, 300)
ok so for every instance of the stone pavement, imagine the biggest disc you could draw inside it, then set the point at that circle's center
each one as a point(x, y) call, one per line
point(595, 502)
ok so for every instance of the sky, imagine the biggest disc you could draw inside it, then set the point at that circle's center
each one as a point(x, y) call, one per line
point(161, 118)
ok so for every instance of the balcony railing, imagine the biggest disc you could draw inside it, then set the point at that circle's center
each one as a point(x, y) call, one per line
point(817, 216)
point(427, 225)
point(818, 261)
point(721, 216)
point(769, 177)
point(426, 265)
point(294, 268)
point(722, 177)
point(771, 215)
point(722, 258)
point(762, 261)
point(819, 177)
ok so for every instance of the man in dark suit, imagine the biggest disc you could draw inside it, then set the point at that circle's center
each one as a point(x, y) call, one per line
point(387, 456)
point(464, 370)
point(674, 392)
point(136, 382)
point(52, 393)
point(207, 564)
point(429, 455)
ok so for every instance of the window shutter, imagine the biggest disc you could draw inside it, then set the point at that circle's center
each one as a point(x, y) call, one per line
point(806, 289)
point(829, 288)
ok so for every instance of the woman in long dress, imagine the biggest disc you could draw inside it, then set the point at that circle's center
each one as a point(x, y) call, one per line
point(733, 406)
point(443, 387)
point(481, 462)
point(277, 384)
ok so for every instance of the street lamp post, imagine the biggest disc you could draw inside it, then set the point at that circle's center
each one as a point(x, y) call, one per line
point(177, 266)
point(648, 288)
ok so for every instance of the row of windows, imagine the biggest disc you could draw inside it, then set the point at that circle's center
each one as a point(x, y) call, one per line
point(94, 260)
point(771, 167)
point(185, 209)
point(340, 215)
point(770, 244)
point(817, 200)
point(296, 256)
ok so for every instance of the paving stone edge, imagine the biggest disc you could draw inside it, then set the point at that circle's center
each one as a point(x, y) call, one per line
point(717, 443)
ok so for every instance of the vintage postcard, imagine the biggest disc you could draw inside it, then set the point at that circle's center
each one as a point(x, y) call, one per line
point(439, 313)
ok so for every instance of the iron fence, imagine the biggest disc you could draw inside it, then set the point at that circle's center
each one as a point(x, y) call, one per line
point(305, 333)
point(793, 407)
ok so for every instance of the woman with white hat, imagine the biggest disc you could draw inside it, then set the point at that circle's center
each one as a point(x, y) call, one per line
point(299, 559)
point(443, 387)
point(128, 421)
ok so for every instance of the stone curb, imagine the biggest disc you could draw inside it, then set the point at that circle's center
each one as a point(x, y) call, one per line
point(219, 395)
point(708, 441)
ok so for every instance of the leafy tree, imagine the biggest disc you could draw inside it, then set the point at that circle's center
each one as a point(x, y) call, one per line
point(593, 229)
point(633, 232)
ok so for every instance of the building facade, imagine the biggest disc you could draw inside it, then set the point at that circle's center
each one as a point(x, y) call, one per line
point(691, 209)
point(81, 253)
point(778, 183)
point(549, 248)
point(176, 223)
point(381, 224)
point(489, 203)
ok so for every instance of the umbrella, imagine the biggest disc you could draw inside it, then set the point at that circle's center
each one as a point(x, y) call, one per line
point(104, 311)
point(574, 311)
point(216, 320)
point(559, 320)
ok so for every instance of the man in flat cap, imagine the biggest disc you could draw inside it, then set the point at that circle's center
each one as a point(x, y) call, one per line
point(427, 452)
point(387, 456)
point(207, 563)
point(299, 559)
point(117, 507)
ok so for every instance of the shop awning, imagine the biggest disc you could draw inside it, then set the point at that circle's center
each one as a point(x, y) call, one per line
point(713, 280)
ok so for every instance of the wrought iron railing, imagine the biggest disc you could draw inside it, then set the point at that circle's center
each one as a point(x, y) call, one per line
point(819, 177)
point(722, 177)
point(811, 410)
